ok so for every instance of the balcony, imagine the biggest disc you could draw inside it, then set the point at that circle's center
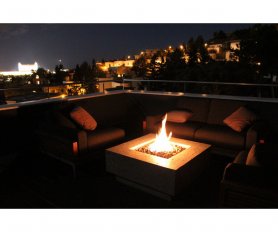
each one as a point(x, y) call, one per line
point(32, 178)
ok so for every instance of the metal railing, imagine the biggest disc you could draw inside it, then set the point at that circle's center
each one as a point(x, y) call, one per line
point(205, 87)
point(38, 92)
point(253, 91)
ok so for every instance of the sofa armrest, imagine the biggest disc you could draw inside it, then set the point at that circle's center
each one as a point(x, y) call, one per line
point(152, 121)
point(254, 134)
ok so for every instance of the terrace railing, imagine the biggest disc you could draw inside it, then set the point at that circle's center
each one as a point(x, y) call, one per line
point(205, 87)
point(42, 93)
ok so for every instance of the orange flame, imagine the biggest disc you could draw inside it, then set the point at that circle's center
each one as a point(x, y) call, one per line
point(162, 140)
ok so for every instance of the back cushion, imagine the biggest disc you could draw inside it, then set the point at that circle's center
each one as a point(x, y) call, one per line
point(199, 107)
point(220, 109)
point(107, 110)
point(83, 118)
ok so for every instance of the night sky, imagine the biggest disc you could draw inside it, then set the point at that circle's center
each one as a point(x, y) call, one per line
point(75, 43)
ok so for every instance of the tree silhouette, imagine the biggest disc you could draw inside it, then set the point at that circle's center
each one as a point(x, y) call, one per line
point(88, 77)
point(192, 52)
point(202, 53)
point(77, 77)
point(174, 65)
point(259, 48)
point(155, 66)
point(219, 35)
point(59, 75)
point(140, 66)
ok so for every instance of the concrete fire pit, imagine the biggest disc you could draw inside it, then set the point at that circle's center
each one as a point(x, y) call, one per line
point(163, 177)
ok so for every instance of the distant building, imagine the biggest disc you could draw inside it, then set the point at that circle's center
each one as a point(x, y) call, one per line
point(27, 67)
point(105, 66)
point(223, 50)
point(23, 69)
point(148, 53)
point(119, 67)
point(219, 50)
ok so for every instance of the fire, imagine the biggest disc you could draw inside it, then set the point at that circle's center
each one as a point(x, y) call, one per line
point(162, 141)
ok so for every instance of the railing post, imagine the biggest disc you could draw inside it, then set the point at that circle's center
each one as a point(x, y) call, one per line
point(272, 92)
point(184, 87)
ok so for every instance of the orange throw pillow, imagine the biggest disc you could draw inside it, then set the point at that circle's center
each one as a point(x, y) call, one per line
point(251, 158)
point(240, 119)
point(83, 118)
point(179, 116)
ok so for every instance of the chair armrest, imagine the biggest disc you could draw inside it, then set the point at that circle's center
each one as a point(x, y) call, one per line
point(247, 187)
point(152, 121)
point(256, 132)
point(250, 175)
point(63, 140)
point(242, 173)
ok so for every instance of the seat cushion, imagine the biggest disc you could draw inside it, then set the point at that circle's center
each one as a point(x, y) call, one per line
point(183, 130)
point(220, 136)
point(104, 137)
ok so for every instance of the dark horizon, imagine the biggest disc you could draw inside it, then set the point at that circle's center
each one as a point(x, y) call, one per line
point(76, 43)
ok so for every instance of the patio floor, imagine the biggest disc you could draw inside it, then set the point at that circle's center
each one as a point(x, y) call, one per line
point(45, 183)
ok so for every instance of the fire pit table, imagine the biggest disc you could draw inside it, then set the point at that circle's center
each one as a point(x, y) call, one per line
point(133, 164)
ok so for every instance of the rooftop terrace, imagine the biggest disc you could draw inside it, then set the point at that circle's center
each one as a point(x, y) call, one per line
point(32, 179)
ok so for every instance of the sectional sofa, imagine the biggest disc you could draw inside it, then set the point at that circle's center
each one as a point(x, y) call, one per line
point(120, 117)
point(206, 124)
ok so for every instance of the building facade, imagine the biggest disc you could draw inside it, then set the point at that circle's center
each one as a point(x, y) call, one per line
point(23, 69)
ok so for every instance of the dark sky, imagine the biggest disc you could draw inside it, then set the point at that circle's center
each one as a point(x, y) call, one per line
point(75, 43)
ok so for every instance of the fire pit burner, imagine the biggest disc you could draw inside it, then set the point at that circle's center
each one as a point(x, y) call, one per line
point(176, 150)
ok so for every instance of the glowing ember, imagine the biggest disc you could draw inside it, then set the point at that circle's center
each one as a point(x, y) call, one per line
point(162, 141)
point(176, 150)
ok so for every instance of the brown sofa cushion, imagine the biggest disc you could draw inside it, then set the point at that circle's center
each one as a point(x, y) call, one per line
point(104, 137)
point(178, 116)
point(83, 118)
point(240, 119)
point(222, 136)
point(251, 157)
point(183, 130)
